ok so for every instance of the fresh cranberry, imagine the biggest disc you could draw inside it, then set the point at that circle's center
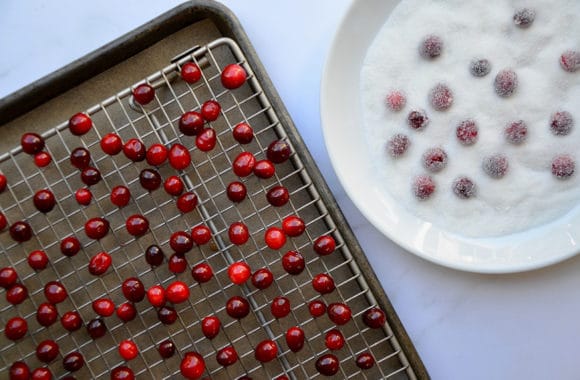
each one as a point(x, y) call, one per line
point(150, 179)
point(423, 187)
point(431, 46)
point(295, 338)
point(327, 365)
point(210, 326)
point(120, 196)
point(479, 67)
point(190, 72)
point(167, 315)
point(71, 321)
point(38, 260)
point(16, 294)
point(135, 150)
point(180, 242)
point(317, 308)
point(41, 373)
point(398, 145)
point(143, 94)
point(15, 328)
point(561, 123)
point(334, 340)
point(187, 202)
point(55, 292)
point(233, 76)
point(73, 361)
point(237, 307)
point(133, 289)
point(434, 159)
point(238, 233)
point(262, 278)
point(111, 144)
point(395, 100)
point(441, 97)
point(264, 169)
point(206, 140)
point(96, 328)
point(122, 373)
point(42, 159)
point(464, 187)
point(192, 366)
point(177, 263)
point(156, 154)
point(227, 356)
point(179, 157)
point(90, 176)
point(210, 110)
point(19, 371)
point(323, 283)
point(79, 124)
point(339, 313)
point(46, 314)
point(177, 292)
point(126, 311)
point(280, 307)
point(47, 351)
point(103, 307)
point(3, 221)
point(365, 360)
point(96, 228)
point(293, 262)
point(32, 143)
point(505, 83)
point(243, 164)
point(467, 132)
point(495, 166)
point(173, 185)
point(274, 238)
point(236, 191)
point(563, 166)
point(516, 132)
point(266, 351)
point(278, 196)
point(80, 158)
point(239, 272)
point(137, 225)
point(70, 246)
point(324, 245)
point(524, 17)
point(3, 182)
point(20, 231)
point(417, 120)
point(201, 273)
point(166, 349)
point(128, 349)
point(191, 123)
point(293, 226)
point(201, 234)
point(374, 318)
point(154, 255)
point(8, 277)
point(570, 60)
point(83, 196)
point(243, 133)
point(278, 151)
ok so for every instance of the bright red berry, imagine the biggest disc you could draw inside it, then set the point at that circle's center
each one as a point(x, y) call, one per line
point(210, 326)
point(334, 339)
point(239, 272)
point(210, 110)
point(295, 338)
point(79, 124)
point(126, 311)
point(41, 373)
point(42, 159)
point(3, 182)
point(202, 273)
point(339, 313)
point(187, 202)
point(137, 225)
point(143, 94)
point(190, 72)
point(191, 123)
point(8, 277)
point(16, 294)
point(206, 140)
point(293, 262)
point(317, 308)
point(243, 133)
point(96, 228)
point(71, 321)
point(233, 76)
point(201, 234)
point(266, 351)
point(227, 356)
point(128, 349)
point(324, 245)
point(243, 164)
point(47, 351)
point(156, 154)
point(274, 238)
point(15, 328)
point(55, 292)
point(173, 185)
point(262, 278)
point(280, 307)
point(37, 259)
point(293, 226)
point(180, 242)
point(19, 371)
point(177, 292)
point(177, 263)
point(179, 157)
point(83, 196)
point(111, 144)
point(323, 283)
point(103, 307)
point(264, 169)
point(236, 191)
point(135, 150)
point(3, 221)
point(192, 366)
point(44, 200)
point(99, 263)
point(120, 196)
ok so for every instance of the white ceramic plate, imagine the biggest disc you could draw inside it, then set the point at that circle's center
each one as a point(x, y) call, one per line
point(346, 145)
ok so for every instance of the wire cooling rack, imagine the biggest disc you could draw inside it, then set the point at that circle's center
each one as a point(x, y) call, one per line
point(208, 176)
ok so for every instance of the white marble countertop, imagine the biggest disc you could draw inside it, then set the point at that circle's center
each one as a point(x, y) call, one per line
point(464, 326)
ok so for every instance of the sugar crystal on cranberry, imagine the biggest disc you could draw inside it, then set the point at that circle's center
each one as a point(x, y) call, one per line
point(561, 123)
point(524, 17)
point(431, 46)
point(396, 100)
point(570, 60)
point(516, 132)
point(496, 165)
point(467, 132)
point(434, 159)
point(563, 166)
point(441, 97)
point(398, 145)
point(479, 67)
point(417, 119)
point(505, 83)
point(464, 187)
point(423, 187)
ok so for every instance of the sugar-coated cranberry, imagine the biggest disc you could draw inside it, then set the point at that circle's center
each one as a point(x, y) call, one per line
point(137, 225)
point(156, 154)
point(327, 365)
point(516, 132)
point(295, 338)
point(97, 228)
point(324, 245)
point(280, 307)
point(177, 263)
point(3, 221)
point(202, 273)
point(166, 349)
point(37, 259)
point(227, 356)
point(154, 255)
point(192, 366)
point(317, 308)
point(434, 159)
point(266, 351)
point(173, 185)
point(237, 307)
point(417, 120)
point(71, 321)
point(187, 202)
point(423, 187)
point(262, 278)
point(20, 231)
point(55, 292)
point(133, 289)
point(496, 165)
point(431, 46)
point(79, 124)
point(274, 237)
point(120, 196)
point(479, 67)
point(365, 360)
point(467, 132)
point(264, 169)
point(122, 373)
point(111, 144)
point(83, 196)
point(16, 294)
point(570, 60)
point(374, 318)
point(238, 233)
point(563, 166)
point(210, 110)
point(135, 150)
point(206, 140)
point(190, 72)
point(293, 262)
point(143, 94)
point(201, 234)
point(126, 311)
point(398, 145)
point(70, 246)
point(47, 351)
point(441, 97)
point(73, 361)
point(561, 123)
point(177, 292)
point(104, 307)
point(150, 179)
point(80, 158)
point(96, 328)
point(243, 133)
point(15, 328)
point(90, 176)
point(236, 191)
point(464, 187)
point(505, 83)
point(180, 242)
point(293, 226)
point(3, 182)
point(8, 277)
point(233, 76)
point(278, 151)
point(31, 143)
point(339, 313)
point(334, 340)
point(210, 326)
point(395, 100)
point(239, 272)
point(179, 157)
point(42, 159)
point(46, 314)
point(41, 373)
point(524, 17)
point(323, 283)
point(243, 164)
point(278, 196)
point(128, 349)
point(167, 315)
point(19, 371)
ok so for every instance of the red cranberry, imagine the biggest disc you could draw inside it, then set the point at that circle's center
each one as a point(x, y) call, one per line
point(505, 83)
point(339, 313)
point(365, 360)
point(201, 273)
point(570, 60)
point(19, 371)
point(293, 262)
point(495, 166)
point(237, 307)
point(177, 292)
point(262, 278)
point(233, 76)
point(374, 318)
point(73, 361)
point(173, 185)
point(20, 231)
point(167, 315)
point(133, 289)
point(192, 366)
point(561, 123)
point(96, 328)
point(122, 373)
point(42, 159)
point(80, 158)
point(423, 187)
point(46, 314)
point(210, 110)
point(126, 312)
point(431, 46)
point(227, 356)
point(111, 144)
point(323, 283)
point(42, 373)
point(79, 124)
point(293, 226)
point(467, 132)
point(150, 179)
point(90, 176)
point(8, 277)
point(137, 225)
point(210, 326)
point(266, 351)
point(71, 321)
point(143, 94)
point(38, 260)
point(135, 150)
point(274, 238)
point(187, 202)
point(55, 292)
point(295, 338)
point(179, 157)
point(317, 308)
point(398, 145)
point(280, 307)
point(395, 100)
point(417, 120)
point(479, 67)
point(278, 151)
point(464, 187)
point(3, 221)
point(83, 196)
point(278, 196)
point(236, 191)
point(166, 349)
point(243, 133)
point(128, 349)
point(15, 328)
point(327, 365)
point(563, 166)
point(190, 72)
point(70, 246)
point(191, 123)
point(96, 228)
point(32, 143)
point(243, 164)
point(206, 140)
point(177, 263)
point(154, 255)
point(16, 294)
point(524, 17)
point(120, 196)
point(264, 169)
point(156, 154)
point(3, 182)
point(238, 233)
point(334, 340)
point(47, 351)
point(516, 132)
point(103, 307)
point(239, 272)
point(441, 97)
point(324, 245)
point(180, 242)
point(434, 159)
point(201, 234)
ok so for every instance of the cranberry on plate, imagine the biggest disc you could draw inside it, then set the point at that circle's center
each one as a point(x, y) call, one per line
point(55, 292)
point(206, 140)
point(137, 225)
point(190, 72)
point(274, 238)
point(156, 154)
point(111, 144)
point(210, 326)
point(239, 272)
point(327, 365)
point(15, 328)
point(243, 133)
point(133, 289)
point(236, 191)
point(238, 233)
point(156, 296)
point(227, 356)
point(210, 110)
point(202, 273)
point(262, 278)
point(293, 262)
point(179, 157)
point(237, 307)
point(79, 124)
point(295, 338)
point(143, 94)
point(339, 313)
point(233, 76)
point(266, 351)
point(280, 307)
point(192, 366)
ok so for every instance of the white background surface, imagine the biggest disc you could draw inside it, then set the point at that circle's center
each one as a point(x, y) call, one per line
point(465, 326)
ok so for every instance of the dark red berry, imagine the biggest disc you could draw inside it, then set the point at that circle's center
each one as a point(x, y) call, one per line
point(8, 277)
point(37, 259)
point(177, 292)
point(431, 46)
point(570, 60)
point(111, 144)
point(505, 83)
point(126, 311)
point(280, 307)
point(3, 221)
point(237, 307)
point(206, 140)
point(190, 72)
point(295, 338)
point(563, 166)
point(133, 289)
point(80, 158)
point(41, 373)
point(417, 120)
point(516, 132)
point(339, 313)
point(467, 132)
point(150, 179)
point(177, 263)
point(479, 67)
point(210, 110)
point(243, 164)
point(398, 145)
point(137, 225)
point(327, 365)
point(293, 262)
point(71, 321)
point(236, 191)
point(210, 326)
point(20, 231)
point(179, 157)
point(16, 294)
point(46, 314)
point(239, 272)
point(561, 123)
point(278, 196)
point(70, 246)
point(3, 182)
point(180, 242)
point(423, 187)
point(274, 238)
point(266, 351)
point(293, 226)
point(15, 328)
point(166, 349)
point(264, 169)
point(154, 255)
point(317, 308)
point(243, 133)
point(90, 176)
point(374, 318)
point(42, 159)
point(233, 76)
point(278, 151)
point(156, 154)
point(122, 373)
point(227, 356)
point(96, 228)
point(135, 150)
point(192, 366)
point(262, 278)
point(103, 307)
point(19, 371)
point(334, 340)
point(441, 97)
point(128, 349)
point(187, 202)
point(524, 17)
point(464, 187)
point(201, 234)
point(156, 296)
point(323, 283)
point(495, 166)
point(73, 362)
point(434, 159)
point(324, 245)
point(120, 196)
point(202, 273)
point(191, 123)
point(83, 196)
point(167, 315)
point(238, 233)
point(32, 143)
point(365, 360)
point(79, 124)
point(47, 351)
point(395, 100)
point(173, 185)
point(143, 94)
point(55, 292)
